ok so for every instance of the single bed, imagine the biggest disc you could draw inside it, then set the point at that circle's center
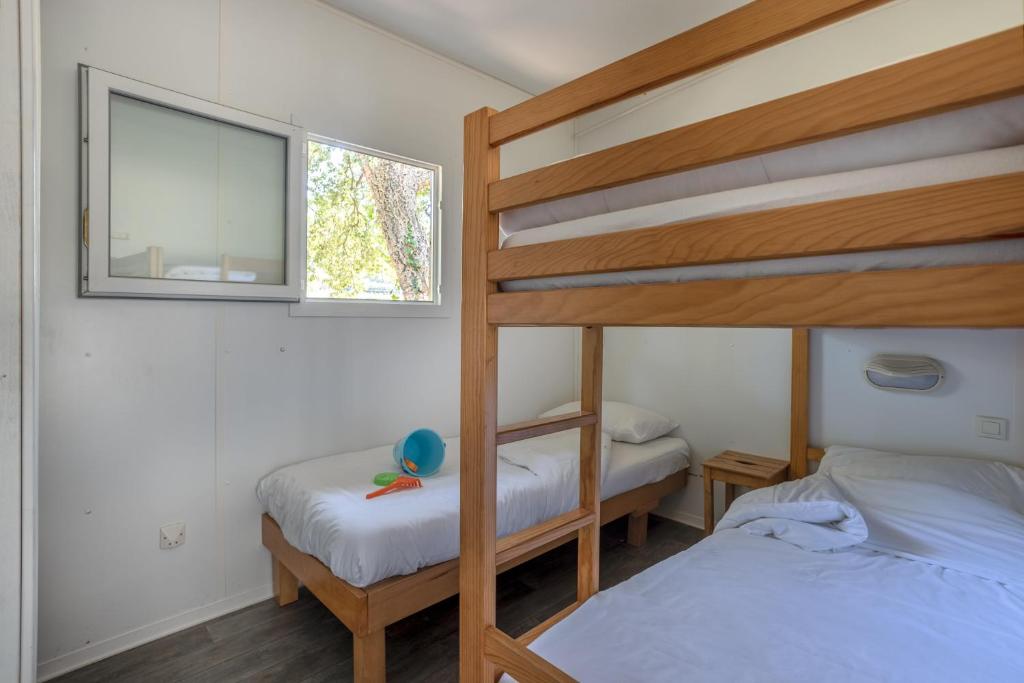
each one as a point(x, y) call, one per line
point(321, 508)
point(934, 592)
point(375, 562)
point(978, 142)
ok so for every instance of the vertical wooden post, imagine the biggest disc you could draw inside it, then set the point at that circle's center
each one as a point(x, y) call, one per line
point(286, 585)
point(479, 402)
point(590, 463)
point(799, 410)
point(369, 665)
point(709, 502)
point(636, 528)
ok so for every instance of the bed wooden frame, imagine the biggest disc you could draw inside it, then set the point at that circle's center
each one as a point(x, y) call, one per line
point(367, 611)
point(986, 296)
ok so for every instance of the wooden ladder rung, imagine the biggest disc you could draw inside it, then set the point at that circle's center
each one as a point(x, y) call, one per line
point(535, 632)
point(521, 542)
point(518, 431)
point(516, 659)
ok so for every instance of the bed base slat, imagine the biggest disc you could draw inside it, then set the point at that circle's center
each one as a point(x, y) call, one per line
point(519, 431)
point(974, 72)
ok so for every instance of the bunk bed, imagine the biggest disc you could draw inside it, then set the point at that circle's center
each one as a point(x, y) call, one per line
point(630, 274)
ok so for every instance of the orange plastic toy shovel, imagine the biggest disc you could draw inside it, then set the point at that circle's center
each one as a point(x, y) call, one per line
point(400, 484)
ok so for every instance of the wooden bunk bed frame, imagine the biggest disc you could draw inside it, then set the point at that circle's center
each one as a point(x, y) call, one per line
point(985, 296)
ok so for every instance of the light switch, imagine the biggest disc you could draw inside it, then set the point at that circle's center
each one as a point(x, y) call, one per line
point(991, 427)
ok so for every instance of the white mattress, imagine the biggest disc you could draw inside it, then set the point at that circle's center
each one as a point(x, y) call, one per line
point(743, 608)
point(972, 143)
point(321, 507)
point(879, 567)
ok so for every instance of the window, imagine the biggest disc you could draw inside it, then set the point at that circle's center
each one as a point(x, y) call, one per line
point(185, 198)
point(372, 228)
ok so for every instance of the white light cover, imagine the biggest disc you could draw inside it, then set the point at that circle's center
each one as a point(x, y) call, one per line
point(904, 373)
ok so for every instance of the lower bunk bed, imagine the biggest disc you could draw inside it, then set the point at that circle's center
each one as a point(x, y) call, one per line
point(374, 562)
point(879, 567)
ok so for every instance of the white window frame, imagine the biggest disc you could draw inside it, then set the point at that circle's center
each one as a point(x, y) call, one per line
point(96, 86)
point(441, 305)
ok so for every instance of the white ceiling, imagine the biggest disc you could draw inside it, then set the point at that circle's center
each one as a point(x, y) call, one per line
point(535, 44)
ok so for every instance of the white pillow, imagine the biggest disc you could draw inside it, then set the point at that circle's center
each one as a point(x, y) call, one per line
point(959, 513)
point(624, 422)
point(995, 481)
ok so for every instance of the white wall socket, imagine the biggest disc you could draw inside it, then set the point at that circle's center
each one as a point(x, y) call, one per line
point(172, 535)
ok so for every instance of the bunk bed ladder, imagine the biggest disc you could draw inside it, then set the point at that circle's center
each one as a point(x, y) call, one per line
point(485, 651)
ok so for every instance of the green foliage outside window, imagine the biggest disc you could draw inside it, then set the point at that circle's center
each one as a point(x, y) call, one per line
point(369, 227)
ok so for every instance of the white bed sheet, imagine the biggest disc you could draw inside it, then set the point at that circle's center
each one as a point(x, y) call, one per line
point(706, 615)
point(787, 193)
point(321, 507)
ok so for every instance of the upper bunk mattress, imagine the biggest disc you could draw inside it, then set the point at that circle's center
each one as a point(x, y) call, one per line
point(322, 509)
point(980, 141)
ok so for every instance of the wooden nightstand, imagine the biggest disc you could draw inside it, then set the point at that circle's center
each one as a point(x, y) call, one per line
point(735, 468)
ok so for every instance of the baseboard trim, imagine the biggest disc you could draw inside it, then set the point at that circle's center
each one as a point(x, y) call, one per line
point(144, 634)
point(687, 518)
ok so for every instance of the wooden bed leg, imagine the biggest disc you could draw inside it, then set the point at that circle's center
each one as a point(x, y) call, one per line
point(636, 531)
point(368, 657)
point(286, 585)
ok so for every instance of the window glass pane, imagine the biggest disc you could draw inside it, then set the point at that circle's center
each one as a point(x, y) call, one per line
point(370, 227)
point(192, 198)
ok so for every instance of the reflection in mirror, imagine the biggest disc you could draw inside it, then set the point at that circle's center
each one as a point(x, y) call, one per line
point(192, 198)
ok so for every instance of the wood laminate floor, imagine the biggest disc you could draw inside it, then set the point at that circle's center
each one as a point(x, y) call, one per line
point(304, 642)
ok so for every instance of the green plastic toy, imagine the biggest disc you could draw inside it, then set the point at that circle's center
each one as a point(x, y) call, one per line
point(385, 478)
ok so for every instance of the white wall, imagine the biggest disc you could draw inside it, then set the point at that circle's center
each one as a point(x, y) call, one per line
point(10, 344)
point(891, 33)
point(730, 388)
point(161, 411)
point(727, 388)
point(19, 149)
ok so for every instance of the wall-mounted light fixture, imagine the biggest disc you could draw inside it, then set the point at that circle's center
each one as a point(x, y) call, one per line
point(904, 373)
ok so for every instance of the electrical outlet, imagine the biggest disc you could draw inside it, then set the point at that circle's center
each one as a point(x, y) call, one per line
point(172, 535)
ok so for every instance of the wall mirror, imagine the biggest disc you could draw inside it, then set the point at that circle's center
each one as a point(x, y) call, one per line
point(185, 198)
